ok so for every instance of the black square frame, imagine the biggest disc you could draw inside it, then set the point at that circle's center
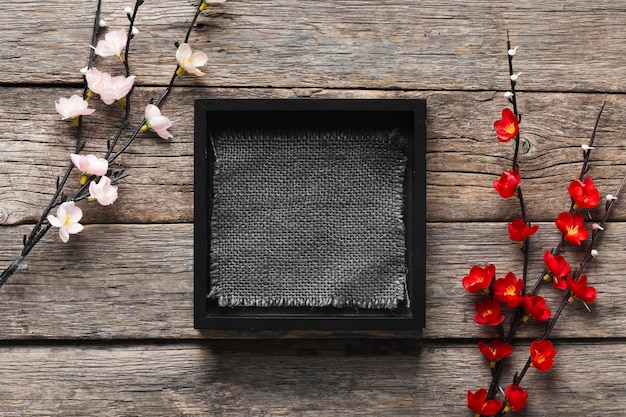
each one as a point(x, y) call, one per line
point(408, 115)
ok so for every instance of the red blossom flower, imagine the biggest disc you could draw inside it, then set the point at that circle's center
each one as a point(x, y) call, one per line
point(581, 290)
point(488, 312)
point(495, 350)
point(479, 278)
point(507, 185)
point(508, 127)
point(584, 194)
point(519, 230)
point(572, 227)
point(508, 290)
point(515, 397)
point(558, 267)
point(477, 402)
point(535, 306)
point(542, 354)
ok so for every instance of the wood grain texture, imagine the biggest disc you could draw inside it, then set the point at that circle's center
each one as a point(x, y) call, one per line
point(389, 44)
point(463, 156)
point(297, 378)
point(136, 281)
point(103, 325)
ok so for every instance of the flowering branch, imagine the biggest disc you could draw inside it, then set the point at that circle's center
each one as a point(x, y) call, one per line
point(110, 89)
point(511, 291)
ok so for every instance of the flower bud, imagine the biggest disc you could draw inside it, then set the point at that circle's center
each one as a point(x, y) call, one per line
point(586, 147)
point(594, 253)
point(102, 23)
point(596, 226)
point(610, 197)
point(514, 77)
point(512, 51)
point(128, 10)
point(508, 94)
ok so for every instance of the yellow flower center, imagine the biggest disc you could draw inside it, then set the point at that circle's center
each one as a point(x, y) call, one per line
point(572, 230)
point(510, 129)
point(68, 221)
point(510, 290)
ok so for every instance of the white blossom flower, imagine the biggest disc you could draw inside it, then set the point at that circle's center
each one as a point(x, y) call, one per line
point(116, 88)
point(73, 107)
point(103, 191)
point(90, 164)
point(67, 218)
point(189, 61)
point(113, 44)
point(157, 123)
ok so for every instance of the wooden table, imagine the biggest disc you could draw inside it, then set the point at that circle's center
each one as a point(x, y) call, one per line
point(103, 326)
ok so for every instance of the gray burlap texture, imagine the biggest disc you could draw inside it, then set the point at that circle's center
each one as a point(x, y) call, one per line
point(308, 218)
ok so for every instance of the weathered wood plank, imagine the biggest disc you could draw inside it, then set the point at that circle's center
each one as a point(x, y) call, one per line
point(136, 281)
point(390, 44)
point(463, 156)
point(300, 378)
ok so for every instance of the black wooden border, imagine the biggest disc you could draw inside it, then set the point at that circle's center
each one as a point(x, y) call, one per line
point(406, 114)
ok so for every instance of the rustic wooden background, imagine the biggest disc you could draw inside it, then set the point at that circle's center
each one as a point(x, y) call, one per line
point(103, 325)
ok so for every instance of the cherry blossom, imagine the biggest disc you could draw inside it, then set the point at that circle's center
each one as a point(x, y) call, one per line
point(67, 218)
point(584, 193)
point(478, 403)
point(508, 183)
point(479, 278)
point(542, 354)
point(506, 128)
point(157, 123)
point(516, 398)
point(113, 44)
point(189, 61)
point(89, 165)
point(572, 227)
point(108, 88)
point(103, 191)
point(495, 350)
point(73, 107)
point(96, 80)
point(116, 88)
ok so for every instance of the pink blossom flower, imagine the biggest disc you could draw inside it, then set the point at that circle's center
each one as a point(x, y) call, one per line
point(157, 123)
point(67, 218)
point(90, 164)
point(103, 191)
point(189, 61)
point(112, 45)
point(73, 107)
point(116, 88)
point(96, 80)
point(108, 88)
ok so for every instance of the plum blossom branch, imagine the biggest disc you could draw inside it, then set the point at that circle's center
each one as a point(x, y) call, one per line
point(511, 292)
point(110, 89)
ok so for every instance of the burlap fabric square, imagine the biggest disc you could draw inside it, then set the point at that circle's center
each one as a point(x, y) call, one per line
point(308, 219)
